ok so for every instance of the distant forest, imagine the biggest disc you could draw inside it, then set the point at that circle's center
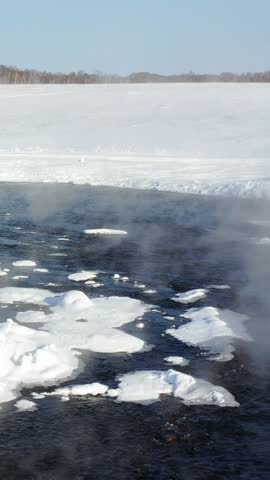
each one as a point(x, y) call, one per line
point(13, 75)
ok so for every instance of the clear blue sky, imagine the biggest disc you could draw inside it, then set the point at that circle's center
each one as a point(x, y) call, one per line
point(121, 36)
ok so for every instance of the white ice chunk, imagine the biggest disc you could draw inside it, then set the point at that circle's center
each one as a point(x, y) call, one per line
point(191, 296)
point(41, 270)
point(104, 231)
point(82, 276)
point(2, 273)
point(26, 295)
point(147, 386)
point(213, 329)
point(50, 354)
point(219, 287)
point(20, 277)
point(174, 360)
point(24, 263)
point(26, 406)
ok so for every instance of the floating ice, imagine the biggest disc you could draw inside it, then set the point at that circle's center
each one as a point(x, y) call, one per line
point(140, 325)
point(24, 263)
point(20, 277)
point(26, 406)
point(213, 329)
point(147, 386)
point(27, 295)
point(41, 270)
point(92, 389)
point(51, 354)
point(174, 360)
point(219, 287)
point(191, 296)
point(104, 231)
point(2, 273)
point(82, 276)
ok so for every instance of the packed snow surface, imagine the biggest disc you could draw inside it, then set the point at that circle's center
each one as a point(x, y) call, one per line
point(104, 231)
point(213, 329)
point(210, 138)
point(51, 353)
point(191, 296)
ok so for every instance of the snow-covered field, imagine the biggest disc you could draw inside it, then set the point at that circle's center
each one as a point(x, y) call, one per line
point(211, 138)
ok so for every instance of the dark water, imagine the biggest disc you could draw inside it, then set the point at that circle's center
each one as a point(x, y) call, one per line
point(175, 242)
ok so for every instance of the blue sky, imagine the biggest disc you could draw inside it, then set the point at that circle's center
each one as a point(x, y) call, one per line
point(121, 36)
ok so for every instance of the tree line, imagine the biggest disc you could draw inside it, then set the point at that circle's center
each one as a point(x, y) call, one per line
point(13, 75)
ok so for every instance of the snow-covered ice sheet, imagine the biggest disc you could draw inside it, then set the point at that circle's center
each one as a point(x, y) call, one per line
point(210, 138)
point(213, 329)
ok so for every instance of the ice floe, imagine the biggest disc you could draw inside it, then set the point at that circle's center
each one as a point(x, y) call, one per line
point(51, 354)
point(20, 277)
point(82, 276)
point(147, 386)
point(26, 406)
point(219, 287)
point(213, 329)
point(78, 390)
point(24, 263)
point(174, 360)
point(104, 231)
point(191, 296)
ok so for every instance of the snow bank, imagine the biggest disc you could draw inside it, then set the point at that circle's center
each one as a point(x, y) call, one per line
point(175, 137)
point(51, 353)
point(191, 296)
point(213, 329)
point(147, 386)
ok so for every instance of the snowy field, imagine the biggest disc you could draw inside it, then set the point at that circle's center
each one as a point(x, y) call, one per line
point(211, 138)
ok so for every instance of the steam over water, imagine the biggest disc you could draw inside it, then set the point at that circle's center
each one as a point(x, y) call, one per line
point(174, 244)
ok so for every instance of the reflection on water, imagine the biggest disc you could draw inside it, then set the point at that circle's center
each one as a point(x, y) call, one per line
point(174, 243)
